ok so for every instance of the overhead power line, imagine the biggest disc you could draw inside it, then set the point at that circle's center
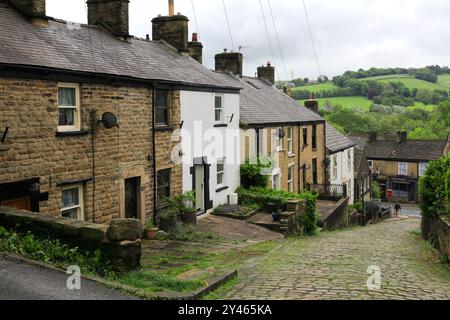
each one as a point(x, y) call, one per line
point(228, 24)
point(278, 40)
point(195, 18)
point(312, 38)
point(268, 36)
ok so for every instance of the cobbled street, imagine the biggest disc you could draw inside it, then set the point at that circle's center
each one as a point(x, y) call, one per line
point(334, 266)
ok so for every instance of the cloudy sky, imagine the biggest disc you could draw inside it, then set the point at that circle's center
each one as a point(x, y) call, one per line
point(348, 34)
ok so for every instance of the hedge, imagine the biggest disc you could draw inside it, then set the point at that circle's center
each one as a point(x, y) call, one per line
point(434, 189)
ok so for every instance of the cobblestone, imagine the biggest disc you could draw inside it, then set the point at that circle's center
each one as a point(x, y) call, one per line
point(334, 266)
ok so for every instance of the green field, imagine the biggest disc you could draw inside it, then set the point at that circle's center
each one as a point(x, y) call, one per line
point(346, 102)
point(319, 87)
point(411, 82)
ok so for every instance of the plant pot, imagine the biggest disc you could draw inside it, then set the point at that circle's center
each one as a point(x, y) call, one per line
point(151, 234)
point(189, 217)
point(276, 217)
point(167, 223)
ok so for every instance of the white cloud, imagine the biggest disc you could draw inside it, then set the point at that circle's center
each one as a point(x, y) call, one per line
point(349, 34)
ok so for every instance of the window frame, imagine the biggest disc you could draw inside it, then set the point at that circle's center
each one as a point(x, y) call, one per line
point(77, 108)
point(422, 171)
point(400, 168)
point(290, 181)
point(80, 206)
point(221, 173)
point(370, 163)
point(278, 181)
point(158, 186)
point(335, 167)
point(305, 136)
point(290, 135)
point(314, 137)
point(221, 109)
point(349, 160)
point(166, 108)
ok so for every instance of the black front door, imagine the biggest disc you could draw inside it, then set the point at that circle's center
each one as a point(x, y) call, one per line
point(131, 197)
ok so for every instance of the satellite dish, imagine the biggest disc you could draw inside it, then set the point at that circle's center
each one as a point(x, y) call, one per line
point(281, 133)
point(109, 120)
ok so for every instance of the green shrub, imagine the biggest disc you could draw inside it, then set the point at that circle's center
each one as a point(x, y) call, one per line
point(376, 190)
point(434, 188)
point(251, 174)
point(277, 200)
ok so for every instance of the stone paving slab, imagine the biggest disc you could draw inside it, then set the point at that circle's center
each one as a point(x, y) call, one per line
point(334, 265)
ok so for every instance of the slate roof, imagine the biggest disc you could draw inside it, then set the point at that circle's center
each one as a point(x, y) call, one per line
point(82, 48)
point(410, 150)
point(261, 103)
point(336, 141)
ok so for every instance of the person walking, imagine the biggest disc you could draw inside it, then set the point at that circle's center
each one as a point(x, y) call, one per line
point(397, 208)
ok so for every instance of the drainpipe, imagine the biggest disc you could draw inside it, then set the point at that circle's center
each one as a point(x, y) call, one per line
point(154, 154)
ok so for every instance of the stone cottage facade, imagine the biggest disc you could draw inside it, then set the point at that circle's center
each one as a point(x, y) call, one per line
point(88, 112)
point(274, 126)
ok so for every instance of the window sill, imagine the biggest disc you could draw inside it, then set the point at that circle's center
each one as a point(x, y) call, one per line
point(220, 125)
point(221, 189)
point(79, 133)
point(163, 128)
point(291, 155)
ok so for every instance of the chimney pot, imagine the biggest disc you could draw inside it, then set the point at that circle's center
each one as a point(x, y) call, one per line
point(402, 136)
point(373, 136)
point(171, 8)
point(195, 37)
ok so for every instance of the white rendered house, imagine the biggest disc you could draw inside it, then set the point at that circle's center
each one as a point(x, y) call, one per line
point(211, 146)
point(341, 156)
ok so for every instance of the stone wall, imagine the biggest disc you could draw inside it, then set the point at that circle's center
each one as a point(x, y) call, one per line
point(119, 242)
point(437, 231)
point(336, 217)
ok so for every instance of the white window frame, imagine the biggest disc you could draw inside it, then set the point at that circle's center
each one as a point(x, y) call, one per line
point(220, 173)
point(291, 181)
point(400, 171)
point(289, 140)
point(278, 180)
point(278, 140)
point(77, 112)
point(370, 163)
point(421, 169)
point(222, 118)
point(80, 206)
point(335, 167)
point(349, 160)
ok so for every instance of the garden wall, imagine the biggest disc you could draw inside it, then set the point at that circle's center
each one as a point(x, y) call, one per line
point(437, 230)
point(336, 217)
point(119, 242)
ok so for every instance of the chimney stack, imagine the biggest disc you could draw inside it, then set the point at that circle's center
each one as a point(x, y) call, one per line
point(267, 73)
point(230, 62)
point(110, 14)
point(312, 104)
point(171, 8)
point(287, 90)
point(373, 136)
point(33, 9)
point(173, 29)
point(195, 48)
point(402, 136)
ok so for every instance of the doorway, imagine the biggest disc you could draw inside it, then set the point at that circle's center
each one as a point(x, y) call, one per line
point(23, 203)
point(132, 192)
point(199, 187)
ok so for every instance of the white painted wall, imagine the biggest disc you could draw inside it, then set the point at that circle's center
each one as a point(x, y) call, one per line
point(200, 138)
point(345, 172)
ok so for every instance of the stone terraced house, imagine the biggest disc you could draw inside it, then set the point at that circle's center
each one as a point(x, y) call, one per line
point(397, 163)
point(88, 112)
point(275, 126)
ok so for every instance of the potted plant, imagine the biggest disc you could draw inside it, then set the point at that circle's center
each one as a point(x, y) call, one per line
point(168, 218)
point(276, 215)
point(189, 215)
point(185, 203)
point(151, 231)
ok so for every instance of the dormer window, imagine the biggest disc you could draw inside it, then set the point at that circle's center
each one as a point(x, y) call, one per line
point(68, 107)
